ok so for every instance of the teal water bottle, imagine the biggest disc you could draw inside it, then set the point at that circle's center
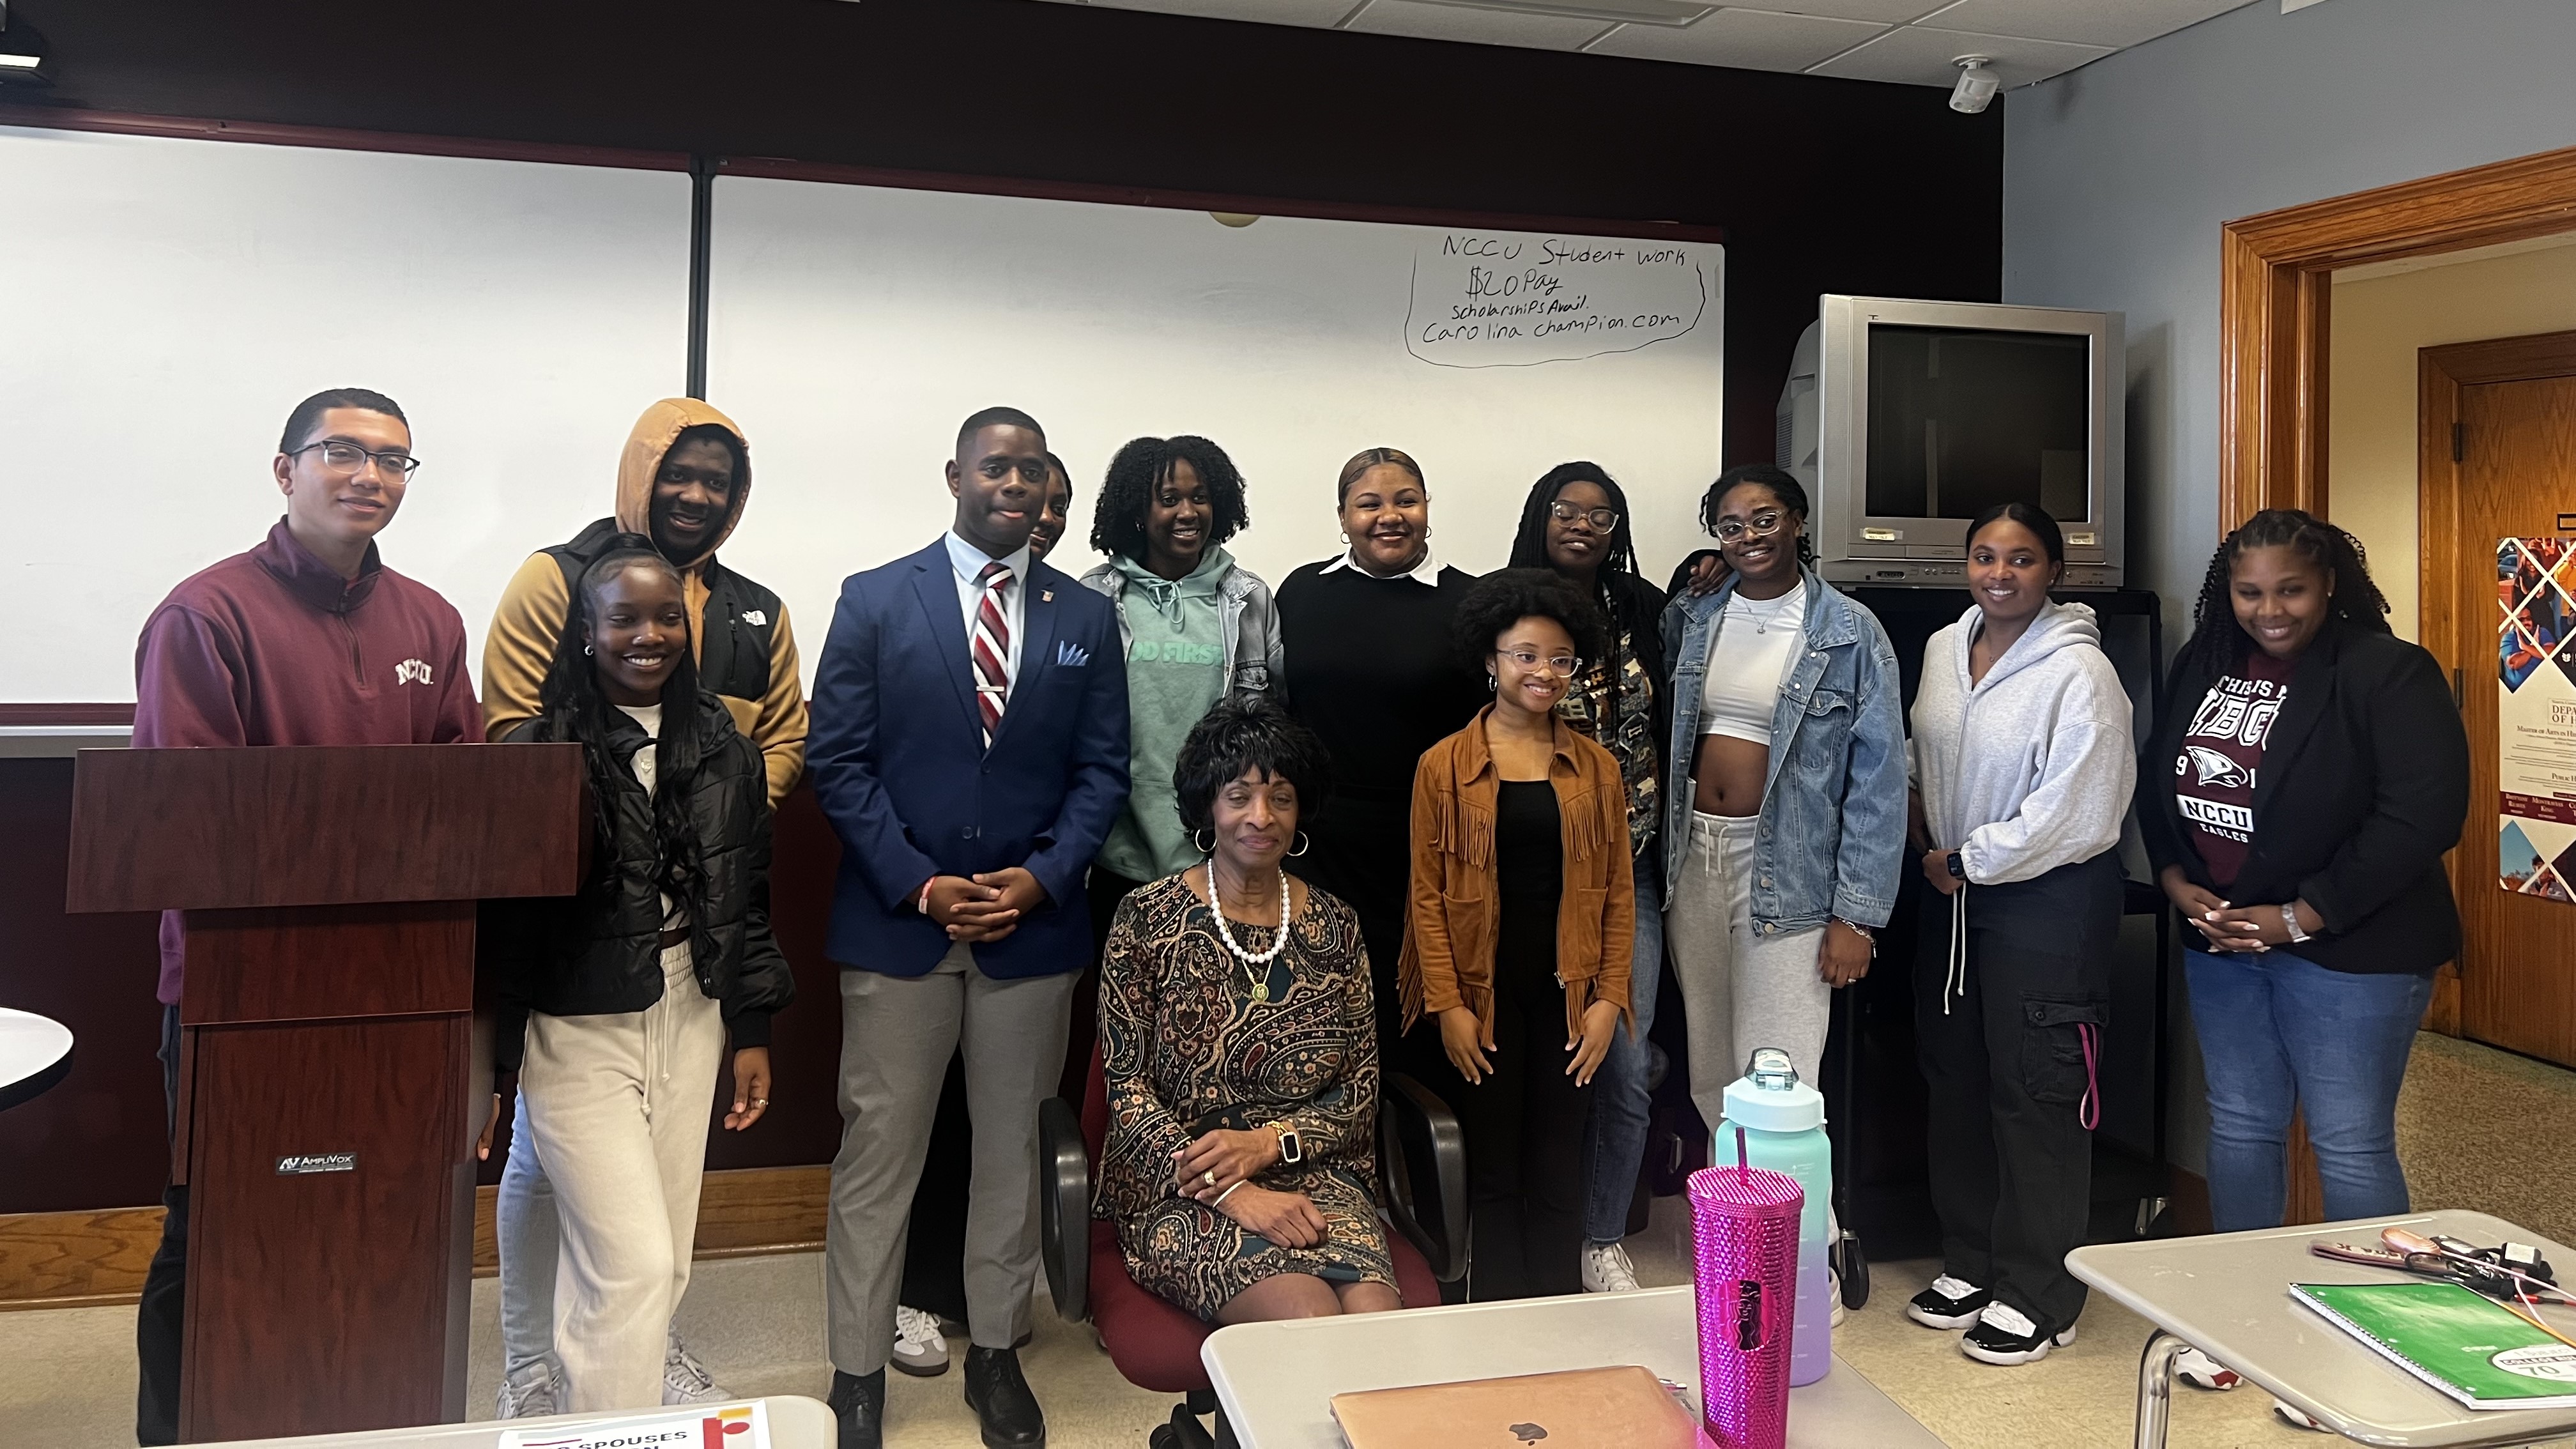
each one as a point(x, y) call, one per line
point(1784, 1130)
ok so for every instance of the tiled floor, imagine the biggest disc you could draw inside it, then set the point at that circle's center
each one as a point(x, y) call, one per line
point(2477, 1128)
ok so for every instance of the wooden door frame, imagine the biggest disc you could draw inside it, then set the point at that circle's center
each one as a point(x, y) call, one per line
point(2275, 301)
point(2276, 293)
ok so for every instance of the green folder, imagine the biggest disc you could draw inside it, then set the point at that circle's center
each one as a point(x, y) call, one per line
point(2474, 1349)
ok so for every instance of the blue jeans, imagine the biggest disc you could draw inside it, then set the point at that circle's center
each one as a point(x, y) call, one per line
point(530, 1238)
point(1614, 1139)
point(2278, 1031)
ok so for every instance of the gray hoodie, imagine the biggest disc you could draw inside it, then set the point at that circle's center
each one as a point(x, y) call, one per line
point(2031, 768)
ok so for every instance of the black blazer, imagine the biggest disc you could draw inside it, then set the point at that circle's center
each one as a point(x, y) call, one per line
point(2364, 783)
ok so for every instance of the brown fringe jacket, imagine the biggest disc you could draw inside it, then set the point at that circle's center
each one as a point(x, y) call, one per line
point(1455, 907)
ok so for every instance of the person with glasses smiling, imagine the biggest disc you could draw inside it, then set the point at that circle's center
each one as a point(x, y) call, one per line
point(1520, 921)
point(307, 639)
point(1576, 522)
point(1785, 824)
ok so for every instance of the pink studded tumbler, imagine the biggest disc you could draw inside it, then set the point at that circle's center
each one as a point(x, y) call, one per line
point(1744, 1241)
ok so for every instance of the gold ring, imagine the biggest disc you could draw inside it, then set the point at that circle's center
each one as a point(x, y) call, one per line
point(760, 1101)
point(1210, 1175)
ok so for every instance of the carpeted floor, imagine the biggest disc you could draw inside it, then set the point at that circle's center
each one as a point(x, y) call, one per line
point(2478, 1129)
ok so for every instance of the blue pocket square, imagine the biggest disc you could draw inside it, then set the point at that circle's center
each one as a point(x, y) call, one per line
point(1071, 656)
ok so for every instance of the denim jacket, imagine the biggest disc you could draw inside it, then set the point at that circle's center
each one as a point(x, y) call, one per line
point(1247, 621)
point(1832, 837)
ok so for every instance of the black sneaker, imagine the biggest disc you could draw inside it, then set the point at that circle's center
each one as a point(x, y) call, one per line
point(2005, 1335)
point(1948, 1303)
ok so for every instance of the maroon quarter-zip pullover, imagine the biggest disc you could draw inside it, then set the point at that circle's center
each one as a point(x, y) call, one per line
point(273, 647)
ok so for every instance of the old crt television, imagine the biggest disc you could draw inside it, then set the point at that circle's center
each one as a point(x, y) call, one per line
point(1906, 419)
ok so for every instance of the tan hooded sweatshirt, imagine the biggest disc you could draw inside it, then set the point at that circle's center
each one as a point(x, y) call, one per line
point(530, 616)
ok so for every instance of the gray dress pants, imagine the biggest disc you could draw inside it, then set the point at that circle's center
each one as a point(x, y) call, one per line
point(897, 1034)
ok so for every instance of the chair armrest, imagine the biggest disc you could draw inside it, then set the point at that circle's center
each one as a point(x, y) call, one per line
point(1064, 1208)
point(1423, 1160)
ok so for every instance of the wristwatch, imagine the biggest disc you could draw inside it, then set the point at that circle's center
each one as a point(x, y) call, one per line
point(1958, 867)
point(2290, 922)
point(1292, 1149)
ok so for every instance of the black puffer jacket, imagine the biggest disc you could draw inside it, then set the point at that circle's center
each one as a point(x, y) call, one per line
point(599, 952)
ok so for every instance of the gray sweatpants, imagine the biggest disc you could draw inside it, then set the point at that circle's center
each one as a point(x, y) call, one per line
point(1741, 989)
point(897, 1034)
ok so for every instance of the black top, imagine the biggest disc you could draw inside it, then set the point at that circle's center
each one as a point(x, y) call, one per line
point(1372, 670)
point(599, 952)
point(2364, 783)
point(1529, 874)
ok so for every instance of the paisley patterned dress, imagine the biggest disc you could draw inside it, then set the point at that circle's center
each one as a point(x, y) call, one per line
point(1186, 1032)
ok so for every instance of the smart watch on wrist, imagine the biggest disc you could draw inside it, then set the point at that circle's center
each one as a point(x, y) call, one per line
point(1958, 867)
point(1291, 1148)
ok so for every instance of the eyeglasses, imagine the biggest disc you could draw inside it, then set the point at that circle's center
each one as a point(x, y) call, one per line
point(349, 459)
point(1560, 664)
point(1602, 519)
point(1760, 525)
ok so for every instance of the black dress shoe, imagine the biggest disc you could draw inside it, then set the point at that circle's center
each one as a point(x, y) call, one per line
point(859, 1403)
point(1001, 1400)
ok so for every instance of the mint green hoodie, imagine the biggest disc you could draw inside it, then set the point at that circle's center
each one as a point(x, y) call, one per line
point(1175, 671)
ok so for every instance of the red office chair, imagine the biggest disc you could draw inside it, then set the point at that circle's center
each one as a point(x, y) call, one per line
point(1423, 1179)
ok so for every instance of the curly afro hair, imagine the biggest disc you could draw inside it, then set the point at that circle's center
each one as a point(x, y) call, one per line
point(1247, 732)
point(1141, 468)
point(1499, 600)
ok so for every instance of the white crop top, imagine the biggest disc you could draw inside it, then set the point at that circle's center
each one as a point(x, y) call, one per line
point(1755, 643)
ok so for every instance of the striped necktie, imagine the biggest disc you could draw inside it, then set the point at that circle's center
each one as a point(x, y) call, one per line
point(992, 648)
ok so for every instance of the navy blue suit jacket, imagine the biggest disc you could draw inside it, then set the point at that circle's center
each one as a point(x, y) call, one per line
point(898, 758)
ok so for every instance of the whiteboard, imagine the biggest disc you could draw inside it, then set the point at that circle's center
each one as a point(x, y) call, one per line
point(852, 328)
point(171, 300)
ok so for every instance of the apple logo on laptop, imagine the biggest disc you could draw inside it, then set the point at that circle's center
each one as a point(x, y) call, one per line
point(1528, 1433)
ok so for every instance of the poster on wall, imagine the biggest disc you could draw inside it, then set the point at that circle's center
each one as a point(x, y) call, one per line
point(2536, 717)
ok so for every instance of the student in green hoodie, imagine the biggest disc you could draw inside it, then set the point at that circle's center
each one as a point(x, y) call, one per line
point(1198, 628)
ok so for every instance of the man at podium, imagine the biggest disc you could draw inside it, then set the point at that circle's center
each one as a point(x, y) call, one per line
point(307, 639)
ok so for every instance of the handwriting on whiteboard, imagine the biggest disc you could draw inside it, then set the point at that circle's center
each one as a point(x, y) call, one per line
point(1518, 299)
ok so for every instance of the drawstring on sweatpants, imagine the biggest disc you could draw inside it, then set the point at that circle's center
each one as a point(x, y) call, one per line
point(2089, 1111)
point(1954, 979)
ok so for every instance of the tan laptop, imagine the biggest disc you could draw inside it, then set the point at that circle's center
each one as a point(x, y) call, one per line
point(1604, 1408)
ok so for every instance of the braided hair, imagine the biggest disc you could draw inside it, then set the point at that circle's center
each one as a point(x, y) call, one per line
point(2218, 643)
point(1619, 606)
point(1783, 486)
point(570, 708)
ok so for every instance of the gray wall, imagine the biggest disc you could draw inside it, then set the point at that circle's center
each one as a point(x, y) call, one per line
point(2117, 178)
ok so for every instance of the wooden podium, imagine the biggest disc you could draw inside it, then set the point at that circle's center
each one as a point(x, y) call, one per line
point(329, 1097)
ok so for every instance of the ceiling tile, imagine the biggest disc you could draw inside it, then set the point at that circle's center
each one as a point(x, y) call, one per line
point(2092, 22)
point(1884, 12)
point(1920, 55)
point(1282, 12)
point(1485, 27)
point(1746, 39)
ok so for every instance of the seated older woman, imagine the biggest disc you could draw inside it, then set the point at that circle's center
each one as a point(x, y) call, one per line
point(1237, 1039)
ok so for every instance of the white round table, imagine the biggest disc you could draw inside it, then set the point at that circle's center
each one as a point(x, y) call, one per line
point(35, 1053)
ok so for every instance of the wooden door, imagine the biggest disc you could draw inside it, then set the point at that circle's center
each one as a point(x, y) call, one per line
point(2498, 461)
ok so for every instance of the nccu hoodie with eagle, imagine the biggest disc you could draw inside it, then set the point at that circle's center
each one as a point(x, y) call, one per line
point(2030, 768)
point(746, 654)
point(273, 647)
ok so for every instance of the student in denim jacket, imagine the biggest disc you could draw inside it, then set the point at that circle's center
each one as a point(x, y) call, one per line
point(1784, 835)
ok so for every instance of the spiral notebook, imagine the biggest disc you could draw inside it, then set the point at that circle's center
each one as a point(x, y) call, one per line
point(2474, 1349)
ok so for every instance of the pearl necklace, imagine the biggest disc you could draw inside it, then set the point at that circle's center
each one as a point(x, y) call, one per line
point(1261, 985)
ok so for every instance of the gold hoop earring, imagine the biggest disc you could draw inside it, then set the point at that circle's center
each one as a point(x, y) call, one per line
point(1303, 845)
point(1210, 847)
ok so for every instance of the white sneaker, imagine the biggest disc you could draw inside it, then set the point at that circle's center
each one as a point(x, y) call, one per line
point(2203, 1372)
point(1834, 1296)
point(919, 1348)
point(1606, 1269)
point(2005, 1335)
point(684, 1379)
point(1950, 1303)
point(2294, 1418)
point(531, 1393)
